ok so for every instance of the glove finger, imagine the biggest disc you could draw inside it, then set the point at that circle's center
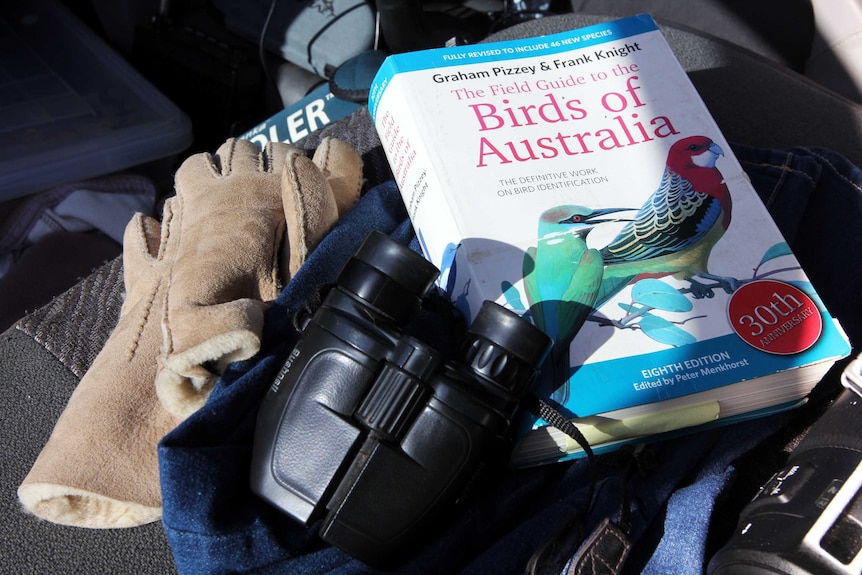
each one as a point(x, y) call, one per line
point(341, 164)
point(245, 156)
point(142, 249)
point(200, 167)
point(273, 156)
point(230, 156)
point(143, 237)
point(309, 208)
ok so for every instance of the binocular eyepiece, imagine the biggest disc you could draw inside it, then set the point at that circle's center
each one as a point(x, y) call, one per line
point(374, 431)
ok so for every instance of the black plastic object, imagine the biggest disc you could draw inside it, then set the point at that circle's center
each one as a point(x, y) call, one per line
point(371, 430)
point(807, 519)
point(405, 26)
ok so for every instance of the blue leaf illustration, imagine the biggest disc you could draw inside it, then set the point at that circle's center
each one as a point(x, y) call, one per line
point(776, 251)
point(660, 295)
point(663, 331)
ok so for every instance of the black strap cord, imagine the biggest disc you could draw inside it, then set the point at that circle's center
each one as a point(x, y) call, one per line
point(605, 549)
point(557, 549)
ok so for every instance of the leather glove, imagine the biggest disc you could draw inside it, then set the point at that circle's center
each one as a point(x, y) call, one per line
point(100, 466)
point(232, 209)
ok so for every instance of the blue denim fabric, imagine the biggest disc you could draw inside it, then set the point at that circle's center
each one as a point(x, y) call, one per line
point(216, 525)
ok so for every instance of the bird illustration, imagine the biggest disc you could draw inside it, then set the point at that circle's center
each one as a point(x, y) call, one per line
point(675, 230)
point(559, 302)
point(673, 233)
point(562, 278)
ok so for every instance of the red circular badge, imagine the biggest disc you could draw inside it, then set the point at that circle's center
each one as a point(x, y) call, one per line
point(775, 317)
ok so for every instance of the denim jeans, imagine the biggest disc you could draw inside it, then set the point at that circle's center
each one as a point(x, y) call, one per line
point(214, 523)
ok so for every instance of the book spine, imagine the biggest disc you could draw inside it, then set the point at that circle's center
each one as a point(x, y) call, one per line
point(381, 81)
point(399, 120)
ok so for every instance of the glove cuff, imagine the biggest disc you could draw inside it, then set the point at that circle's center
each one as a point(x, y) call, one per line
point(213, 337)
point(67, 505)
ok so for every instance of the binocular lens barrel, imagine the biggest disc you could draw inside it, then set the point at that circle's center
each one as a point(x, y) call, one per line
point(504, 348)
point(388, 276)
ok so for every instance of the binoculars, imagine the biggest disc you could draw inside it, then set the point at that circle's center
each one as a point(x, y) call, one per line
point(373, 431)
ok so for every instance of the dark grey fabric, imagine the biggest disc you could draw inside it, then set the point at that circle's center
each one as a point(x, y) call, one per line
point(51, 266)
point(34, 389)
point(781, 30)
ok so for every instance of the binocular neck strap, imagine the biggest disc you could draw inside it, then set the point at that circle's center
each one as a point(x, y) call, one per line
point(568, 550)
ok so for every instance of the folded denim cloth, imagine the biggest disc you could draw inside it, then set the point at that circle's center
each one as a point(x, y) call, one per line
point(103, 204)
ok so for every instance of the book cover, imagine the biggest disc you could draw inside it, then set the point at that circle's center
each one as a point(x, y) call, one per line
point(579, 179)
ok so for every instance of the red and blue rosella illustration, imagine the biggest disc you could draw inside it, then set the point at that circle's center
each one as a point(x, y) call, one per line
point(675, 230)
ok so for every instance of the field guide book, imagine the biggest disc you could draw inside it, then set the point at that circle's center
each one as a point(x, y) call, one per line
point(578, 179)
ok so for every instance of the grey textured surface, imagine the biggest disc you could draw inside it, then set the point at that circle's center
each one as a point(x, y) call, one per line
point(34, 389)
point(781, 30)
point(76, 324)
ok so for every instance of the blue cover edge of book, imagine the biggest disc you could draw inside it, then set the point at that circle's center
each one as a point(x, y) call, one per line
point(676, 372)
point(507, 49)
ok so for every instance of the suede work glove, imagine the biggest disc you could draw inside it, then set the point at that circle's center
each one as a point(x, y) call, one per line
point(196, 286)
point(100, 468)
point(231, 213)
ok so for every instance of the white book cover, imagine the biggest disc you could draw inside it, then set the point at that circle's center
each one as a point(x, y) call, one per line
point(579, 179)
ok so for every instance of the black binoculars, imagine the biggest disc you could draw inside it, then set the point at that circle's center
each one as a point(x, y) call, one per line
point(376, 432)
